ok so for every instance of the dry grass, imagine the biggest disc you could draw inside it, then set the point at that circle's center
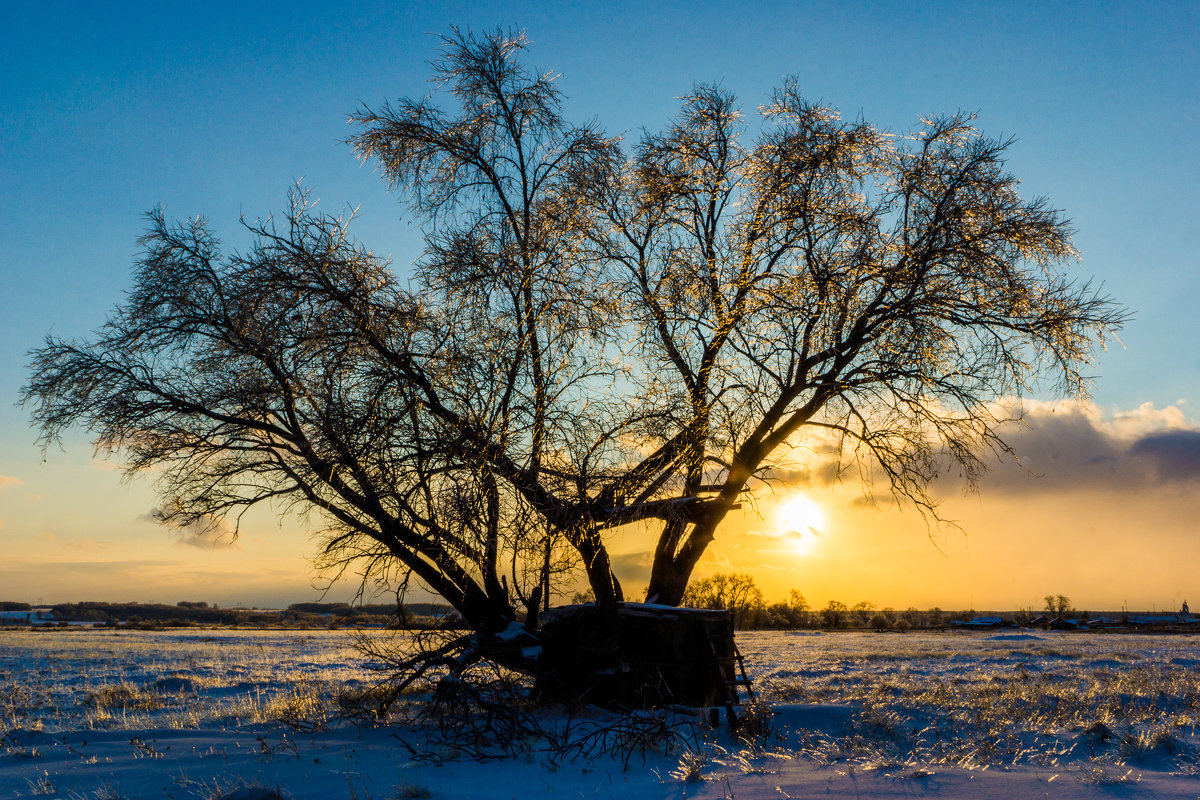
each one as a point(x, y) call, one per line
point(690, 768)
point(1050, 705)
point(1107, 775)
point(100, 679)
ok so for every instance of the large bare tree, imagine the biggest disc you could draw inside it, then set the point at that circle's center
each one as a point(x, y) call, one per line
point(595, 337)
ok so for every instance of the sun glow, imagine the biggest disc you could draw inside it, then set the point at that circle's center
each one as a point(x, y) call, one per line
point(800, 521)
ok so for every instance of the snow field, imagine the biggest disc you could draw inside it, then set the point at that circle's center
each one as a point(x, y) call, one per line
point(256, 715)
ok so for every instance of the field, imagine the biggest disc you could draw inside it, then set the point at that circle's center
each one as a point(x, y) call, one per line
point(103, 715)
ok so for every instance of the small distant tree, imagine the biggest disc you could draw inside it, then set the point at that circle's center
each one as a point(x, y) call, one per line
point(1057, 605)
point(793, 613)
point(833, 615)
point(583, 596)
point(733, 592)
point(797, 600)
point(799, 608)
point(862, 610)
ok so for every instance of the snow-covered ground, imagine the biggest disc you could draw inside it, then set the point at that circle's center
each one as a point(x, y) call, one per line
point(104, 715)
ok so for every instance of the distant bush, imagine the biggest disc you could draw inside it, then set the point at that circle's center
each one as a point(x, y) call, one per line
point(320, 608)
point(882, 621)
point(159, 613)
point(863, 612)
point(10, 605)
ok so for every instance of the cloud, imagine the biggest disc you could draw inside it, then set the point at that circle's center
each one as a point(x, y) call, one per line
point(1175, 455)
point(8, 480)
point(798, 476)
point(771, 534)
point(784, 533)
point(1058, 447)
point(207, 533)
point(632, 567)
point(1069, 447)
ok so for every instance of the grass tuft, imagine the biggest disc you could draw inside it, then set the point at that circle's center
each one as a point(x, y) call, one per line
point(690, 768)
point(1107, 775)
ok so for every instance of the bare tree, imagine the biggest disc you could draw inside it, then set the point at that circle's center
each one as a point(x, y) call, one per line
point(834, 614)
point(594, 337)
point(1057, 604)
point(735, 592)
point(863, 610)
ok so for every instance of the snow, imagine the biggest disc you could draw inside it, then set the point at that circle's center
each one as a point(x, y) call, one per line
point(103, 715)
point(514, 631)
point(1014, 637)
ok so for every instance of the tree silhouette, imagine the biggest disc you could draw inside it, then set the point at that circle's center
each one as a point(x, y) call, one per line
point(735, 592)
point(1057, 604)
point(597, 336)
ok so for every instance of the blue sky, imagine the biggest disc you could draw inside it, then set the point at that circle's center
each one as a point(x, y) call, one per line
point(215, 109)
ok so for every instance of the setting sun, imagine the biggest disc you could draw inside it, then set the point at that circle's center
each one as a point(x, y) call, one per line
point(800, 520)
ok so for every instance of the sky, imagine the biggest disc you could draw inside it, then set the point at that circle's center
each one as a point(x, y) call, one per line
point(216, 109)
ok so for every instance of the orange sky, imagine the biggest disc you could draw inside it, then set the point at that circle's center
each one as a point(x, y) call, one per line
point(1102, 509)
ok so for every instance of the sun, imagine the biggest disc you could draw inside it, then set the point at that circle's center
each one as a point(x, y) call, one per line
point(800, 522)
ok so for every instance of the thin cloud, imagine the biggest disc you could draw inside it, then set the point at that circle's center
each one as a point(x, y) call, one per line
point(782, 533)
point(633, 566)
point(9, 480)
point(206, 533)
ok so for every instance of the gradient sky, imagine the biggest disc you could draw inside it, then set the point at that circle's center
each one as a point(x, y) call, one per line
point(216, 108)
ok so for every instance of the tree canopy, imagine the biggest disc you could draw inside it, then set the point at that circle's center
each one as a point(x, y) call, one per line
point(599, 334)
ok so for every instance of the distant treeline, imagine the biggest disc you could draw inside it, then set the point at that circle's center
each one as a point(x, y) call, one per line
point(740, 595)
point(184, 613)
point(736, 593)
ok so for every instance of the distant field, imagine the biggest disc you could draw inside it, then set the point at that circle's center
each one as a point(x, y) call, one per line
point(190, 714)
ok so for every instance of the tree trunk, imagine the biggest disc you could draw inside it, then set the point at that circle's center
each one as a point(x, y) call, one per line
point(672, 570)
point(598, 567)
